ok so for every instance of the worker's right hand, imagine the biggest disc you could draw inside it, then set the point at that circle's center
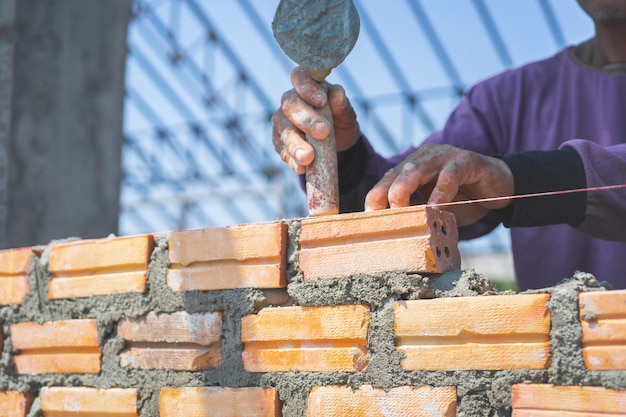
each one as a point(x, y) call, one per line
point(298, 116)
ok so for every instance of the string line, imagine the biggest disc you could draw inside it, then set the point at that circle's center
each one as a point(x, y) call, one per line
point(541, 194)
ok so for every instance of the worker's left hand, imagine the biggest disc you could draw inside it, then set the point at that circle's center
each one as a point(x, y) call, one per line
point(442, 174)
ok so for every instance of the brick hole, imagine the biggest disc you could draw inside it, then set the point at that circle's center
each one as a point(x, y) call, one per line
point(444, 231)
point(436, 226)
point(438, 252)
point(447, 251)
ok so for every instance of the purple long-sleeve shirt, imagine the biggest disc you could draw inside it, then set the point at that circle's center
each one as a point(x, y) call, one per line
point(547, 105)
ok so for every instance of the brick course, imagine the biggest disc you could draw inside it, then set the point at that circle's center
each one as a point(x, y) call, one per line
point(99, 266)
point(332, 338)
point(487, 333)
point(14, 284)
point(68, 346)
point(340, 401)
point(179, 341)
point(603, 321)
point(412, 240)
point(217, 401)
point(228, 257)
point(84, 401)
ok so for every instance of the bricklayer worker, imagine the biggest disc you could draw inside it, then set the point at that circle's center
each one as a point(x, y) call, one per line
point(555, 124)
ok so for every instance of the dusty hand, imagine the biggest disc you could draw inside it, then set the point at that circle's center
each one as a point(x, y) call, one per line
point(298, 117)
point(444, 173)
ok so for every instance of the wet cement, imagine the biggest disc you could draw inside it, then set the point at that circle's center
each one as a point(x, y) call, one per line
point(480, 393)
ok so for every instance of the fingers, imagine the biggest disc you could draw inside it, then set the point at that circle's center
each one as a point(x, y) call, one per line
point(290, 143)
point(311, 91)
point(347, 130)
point(303, 116)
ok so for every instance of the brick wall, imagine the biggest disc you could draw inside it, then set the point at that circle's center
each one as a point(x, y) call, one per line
point(359, 314)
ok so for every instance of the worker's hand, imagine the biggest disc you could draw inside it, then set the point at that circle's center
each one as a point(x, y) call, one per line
point(298, 116)
point(444, 173)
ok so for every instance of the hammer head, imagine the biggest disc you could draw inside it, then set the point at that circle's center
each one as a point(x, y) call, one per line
point(316, 34)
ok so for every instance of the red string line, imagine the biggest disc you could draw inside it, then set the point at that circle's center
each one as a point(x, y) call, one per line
point(542, 194)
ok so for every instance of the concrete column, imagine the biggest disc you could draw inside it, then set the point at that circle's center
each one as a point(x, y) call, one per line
point(65, 134)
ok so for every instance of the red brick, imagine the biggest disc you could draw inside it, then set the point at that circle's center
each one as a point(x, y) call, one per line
point(179, 341)
point(474, 333)
point(69, 346)
point(415, 239)
point(340, 401)
point(329, 338)
point(549, 400)
point(217, 401)
point(14, 284)
point(99, 267)
point(84, 401)
point(603, 321)
point(228, 257)
point(15, 404)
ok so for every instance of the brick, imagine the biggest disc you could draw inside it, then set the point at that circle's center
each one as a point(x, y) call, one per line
point(15, 404)
point(415, 239)
point(84, 401)
point(69, 346)
point(474, 333)
point(99, 267)
point(603, 321)
point(14, 284)
point(217, 401)
point(228, 257)
point(544, 400)
point(329, 338)
point(179, 341)
point(340, 401)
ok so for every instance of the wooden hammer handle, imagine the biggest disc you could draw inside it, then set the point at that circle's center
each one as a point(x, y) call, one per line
point(322, 181)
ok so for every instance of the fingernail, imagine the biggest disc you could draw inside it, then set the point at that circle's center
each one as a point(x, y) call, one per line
point(300, 154)
point(319, 127)
point(319, 99)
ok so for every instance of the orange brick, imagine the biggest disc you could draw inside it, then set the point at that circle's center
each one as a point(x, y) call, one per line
point(603, 321)
point(474, 333)
point(14, 275)
point(329, 338)
point(83, 401)
point(69, 346)
point(217, 401)
point(179, 341)
point(15, 404)
point(340, 401)
point(549, 400)
point(98, 267)
point(415, 239)
point(228, 257)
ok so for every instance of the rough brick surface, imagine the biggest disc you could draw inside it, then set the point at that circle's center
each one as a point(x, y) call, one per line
point(466, 333)
point(14, 275)
point(340, 401)
point(83, 401)
point(603, 321)
point(15, 404)
point(413, 239)
point(216, 401)
point(228, 257)
point(179, 341)
point(98, 267)
point(549, 400)
point(331, 338)
point(69, 346)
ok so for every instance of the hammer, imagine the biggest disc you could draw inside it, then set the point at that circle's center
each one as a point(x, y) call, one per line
point(318, 35)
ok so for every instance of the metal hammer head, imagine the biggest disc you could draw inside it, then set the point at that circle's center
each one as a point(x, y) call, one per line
point(316, 34)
